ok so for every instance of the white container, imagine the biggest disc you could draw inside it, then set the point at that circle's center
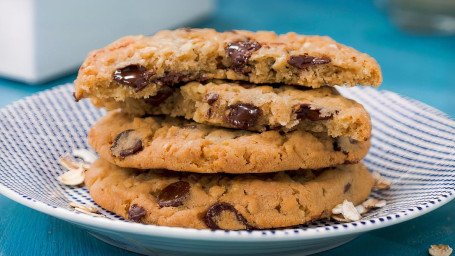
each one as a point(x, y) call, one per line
point(44, 39)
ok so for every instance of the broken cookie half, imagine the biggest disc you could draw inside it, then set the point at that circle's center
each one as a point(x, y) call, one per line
point(139, 66)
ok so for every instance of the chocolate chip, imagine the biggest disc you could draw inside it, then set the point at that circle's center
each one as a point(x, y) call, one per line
point(213, 215)
point(174, 194)
point(202, 80)
point(305, 61)
point(126, 143)
point(209, 113)
point(135, 213)
point(187, 29)
point(240, 53)
point(347, 187)
point(164, 93)
point(243, 116)
point(210, 98)
point(134, 75)
point(304, 111)
point(336, 147)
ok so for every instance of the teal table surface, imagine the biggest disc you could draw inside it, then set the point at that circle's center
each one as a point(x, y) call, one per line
point(420, 67)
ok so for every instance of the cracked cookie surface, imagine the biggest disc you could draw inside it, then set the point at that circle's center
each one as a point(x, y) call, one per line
point(139, 66)
point(255, 107)
point(223, 201)
point(182, 145)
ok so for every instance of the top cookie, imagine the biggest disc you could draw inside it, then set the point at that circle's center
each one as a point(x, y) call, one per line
point(138, 66)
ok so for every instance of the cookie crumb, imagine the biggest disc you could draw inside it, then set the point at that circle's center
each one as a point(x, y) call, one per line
point(381, 182)
point(75, 174)
point(440, 250)
point(68, 164)
point(84, 154)
point(370, 204)
point(87, 209)
point(346, 212)
point(73, 177)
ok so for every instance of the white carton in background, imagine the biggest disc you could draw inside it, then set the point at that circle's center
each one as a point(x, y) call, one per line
point(43, 39)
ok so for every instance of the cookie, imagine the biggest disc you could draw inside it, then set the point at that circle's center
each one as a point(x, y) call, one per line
point(224, 201)
point(257, 108)
point(139, 66)
point(181, 145)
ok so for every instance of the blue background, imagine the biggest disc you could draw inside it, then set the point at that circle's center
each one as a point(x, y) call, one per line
point(420, 67)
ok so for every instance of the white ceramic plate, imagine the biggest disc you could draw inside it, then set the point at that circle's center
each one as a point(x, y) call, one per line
point(413, 144)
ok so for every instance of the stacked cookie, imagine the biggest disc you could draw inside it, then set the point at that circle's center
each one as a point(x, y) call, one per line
point(233, 130)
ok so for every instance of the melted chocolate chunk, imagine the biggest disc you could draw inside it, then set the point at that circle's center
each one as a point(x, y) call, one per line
point(240, 53)
point(160, 96)
point(243, 116)
point(135, 76)
point(304, 111)
point(214, 212)
point(305, 61)
point(210, 98)
point(135, 213)
point(347, 187)
point(126, 143)
point(174, 194)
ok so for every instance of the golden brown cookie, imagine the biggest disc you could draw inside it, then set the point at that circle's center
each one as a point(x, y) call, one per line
point(180, 145)
point(224, 201)
point(255, 107)
point(138, 66)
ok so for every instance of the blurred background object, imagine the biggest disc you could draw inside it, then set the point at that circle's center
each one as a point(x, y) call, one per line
point(428, 17)
point(45, 39)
